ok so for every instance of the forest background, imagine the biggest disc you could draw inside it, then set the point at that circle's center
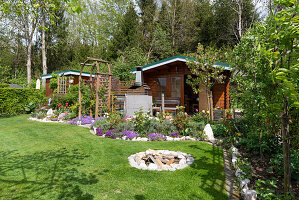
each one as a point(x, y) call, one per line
point(43, 36)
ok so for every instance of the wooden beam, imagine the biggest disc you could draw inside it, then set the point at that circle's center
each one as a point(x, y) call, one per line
point(97, 91)
point(87, 64)
point(109, 88)
point(97, 60)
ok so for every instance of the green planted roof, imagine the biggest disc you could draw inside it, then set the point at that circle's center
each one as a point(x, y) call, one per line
point(174, 59)
point(68, 72)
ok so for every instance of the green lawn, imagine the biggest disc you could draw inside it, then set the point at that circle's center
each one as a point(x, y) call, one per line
point(61, 161)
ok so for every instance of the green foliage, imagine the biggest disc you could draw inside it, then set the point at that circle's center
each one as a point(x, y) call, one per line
point(244, 165)
point(266, 189)
point(181, 121)
point(270, 144)
point(30, 107)
point(14, 100)
point(277, 164)
point(127, 60)
point(219, 130)
point(165, 126)
point(125, 125)
point(195, 129)
point(4, 85)
point(103, 123)
point(140, 121)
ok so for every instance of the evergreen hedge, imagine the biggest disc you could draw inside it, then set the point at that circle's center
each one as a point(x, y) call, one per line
point(14, 100)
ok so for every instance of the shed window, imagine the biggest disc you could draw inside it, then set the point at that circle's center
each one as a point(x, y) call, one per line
point(161, 86)
point(176, 87)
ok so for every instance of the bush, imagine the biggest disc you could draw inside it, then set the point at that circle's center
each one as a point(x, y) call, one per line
point(270, 144)
point(14, 100)
point(4, 85)
point(195, 129)
point(219, 130)
point(125, 125)
point(181, 121)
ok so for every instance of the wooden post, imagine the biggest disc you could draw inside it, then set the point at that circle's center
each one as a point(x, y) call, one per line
point(109, 87)
point(58, 84)
point(91, 90)
point(97, 90)
point(163, 105)
point(80, 94)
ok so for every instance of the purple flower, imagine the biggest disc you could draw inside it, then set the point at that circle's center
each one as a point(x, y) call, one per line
point(129, 134)
point(175, 134)
point(99, 131)
point(156, 137)
point(84, 120)
point(111, 133)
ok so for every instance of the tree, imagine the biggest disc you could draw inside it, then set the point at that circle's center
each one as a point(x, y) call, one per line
point(22, 14)
point(266, 64)
point(205, 73)
point(126, 33)
point(148, 10)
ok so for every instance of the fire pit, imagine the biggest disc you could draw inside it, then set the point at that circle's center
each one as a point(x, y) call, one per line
point(160, 160)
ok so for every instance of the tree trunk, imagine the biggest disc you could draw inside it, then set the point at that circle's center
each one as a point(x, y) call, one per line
point(240, 18)
point(211, 105)
point(29, 48)
point(285, 132)
point(44, 57)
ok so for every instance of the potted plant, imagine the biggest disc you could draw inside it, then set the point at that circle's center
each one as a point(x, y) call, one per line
point(54, 118)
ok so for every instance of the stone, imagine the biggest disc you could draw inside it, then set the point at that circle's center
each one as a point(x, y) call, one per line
point(176, 139)
point(234, 161)
point(209, 133)
point(244, 183)
point(165, 167)
point(249, 194)
point(239, 172)
point(182, 161)
point(50, 112)
point(143, 166)
point(181, 156)
point(170, 162)
point(152, 166)
point(169, 138)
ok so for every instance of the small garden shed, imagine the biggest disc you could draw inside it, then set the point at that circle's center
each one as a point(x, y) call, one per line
point(169, 76)
point(71, 77)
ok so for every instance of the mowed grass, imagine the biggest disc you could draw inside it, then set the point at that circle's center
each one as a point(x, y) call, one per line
point(61, 161)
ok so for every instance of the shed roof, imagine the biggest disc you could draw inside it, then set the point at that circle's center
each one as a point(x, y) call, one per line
point(67, 72)
point(174, 59)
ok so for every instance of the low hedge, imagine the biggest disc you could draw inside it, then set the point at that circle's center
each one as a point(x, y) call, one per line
point(14, 100)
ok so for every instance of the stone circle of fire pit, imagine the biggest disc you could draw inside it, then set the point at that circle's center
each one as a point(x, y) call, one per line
point(160, 160)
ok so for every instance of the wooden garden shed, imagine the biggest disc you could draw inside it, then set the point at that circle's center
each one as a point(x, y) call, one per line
point(169, 76)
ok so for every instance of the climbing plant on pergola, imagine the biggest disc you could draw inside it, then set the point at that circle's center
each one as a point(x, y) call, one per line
point(94, 64)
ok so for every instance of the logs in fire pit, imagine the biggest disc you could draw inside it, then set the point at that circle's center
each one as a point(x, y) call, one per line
point(160, 160)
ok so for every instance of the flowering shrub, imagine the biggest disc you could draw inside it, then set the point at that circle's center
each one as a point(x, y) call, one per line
point(140, 120)
point(84, 120)
point(156, 137)
point(129, 134)
point(174, 134)
point(98, 121)
point(112, 133)
point(63, 115)
point(99, 131)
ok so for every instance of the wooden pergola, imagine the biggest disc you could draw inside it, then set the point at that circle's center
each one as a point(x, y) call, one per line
point(95, 64)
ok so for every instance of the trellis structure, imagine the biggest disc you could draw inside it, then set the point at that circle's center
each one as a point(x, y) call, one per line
point(95, 64)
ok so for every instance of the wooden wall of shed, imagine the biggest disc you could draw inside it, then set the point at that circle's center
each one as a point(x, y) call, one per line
point(176, 69)
point(179, 69)
point(221, 98)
